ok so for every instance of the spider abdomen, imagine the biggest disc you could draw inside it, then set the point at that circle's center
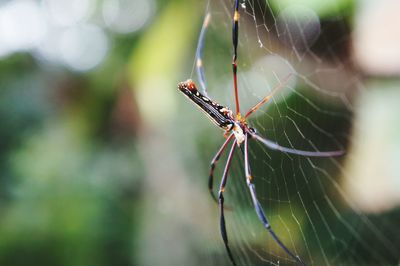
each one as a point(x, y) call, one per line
point(218, 114)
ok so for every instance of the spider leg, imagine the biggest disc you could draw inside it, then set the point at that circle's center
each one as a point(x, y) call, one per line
point(199, 54)
point(214, 162)
point(269, 96)
point(274, 146)
point(258, 208)
point(221, 202)
point(235, 34)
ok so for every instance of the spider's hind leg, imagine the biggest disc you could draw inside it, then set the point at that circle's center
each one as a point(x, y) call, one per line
point(221, 200)
point(260, 212)
point(213, 164)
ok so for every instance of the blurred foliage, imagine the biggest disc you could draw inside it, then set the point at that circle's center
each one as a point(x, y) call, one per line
point(70, 170)
point(329, 8)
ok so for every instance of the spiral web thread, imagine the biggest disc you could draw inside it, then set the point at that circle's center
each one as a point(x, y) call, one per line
point(303, 197)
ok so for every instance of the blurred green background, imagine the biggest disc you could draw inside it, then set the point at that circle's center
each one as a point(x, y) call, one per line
point(103, 162)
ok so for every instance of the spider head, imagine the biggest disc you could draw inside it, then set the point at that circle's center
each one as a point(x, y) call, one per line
point(187, 85)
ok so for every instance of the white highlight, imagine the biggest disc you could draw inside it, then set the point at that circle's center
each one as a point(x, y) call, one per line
point(299, 26)
point(125, 16)
point(372, 177)
point(266, 74)
point(22, 26)
point(377, 37)
point(68, 13)
point(83, 48)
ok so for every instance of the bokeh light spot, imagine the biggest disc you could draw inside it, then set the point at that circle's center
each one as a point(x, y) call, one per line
point(21, 26)
point(83, 47)
point(67, 13)
point(125, 16)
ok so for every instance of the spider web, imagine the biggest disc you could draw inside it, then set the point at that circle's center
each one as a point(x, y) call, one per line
point(305, 199)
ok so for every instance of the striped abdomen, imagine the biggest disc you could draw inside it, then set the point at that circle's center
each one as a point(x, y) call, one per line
point(220, 115)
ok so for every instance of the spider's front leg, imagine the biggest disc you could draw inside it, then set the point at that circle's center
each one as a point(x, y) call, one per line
point(199, 54)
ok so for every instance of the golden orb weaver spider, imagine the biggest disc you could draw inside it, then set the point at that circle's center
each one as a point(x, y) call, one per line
point(237, 129)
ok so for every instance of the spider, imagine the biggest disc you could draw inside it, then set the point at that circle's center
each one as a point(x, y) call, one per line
point(237, 129)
